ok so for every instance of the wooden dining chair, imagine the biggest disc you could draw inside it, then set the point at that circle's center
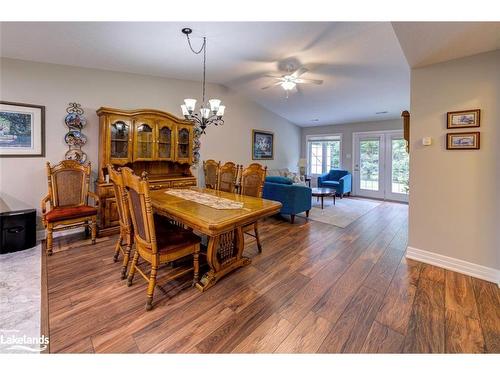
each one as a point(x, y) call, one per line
point(227, 177)
point(155, 247)
point(252, 184)
point(125, 240)
point(211, 171)
point(68, 200)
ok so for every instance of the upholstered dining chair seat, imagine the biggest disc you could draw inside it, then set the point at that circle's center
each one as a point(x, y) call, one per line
point(66, 213)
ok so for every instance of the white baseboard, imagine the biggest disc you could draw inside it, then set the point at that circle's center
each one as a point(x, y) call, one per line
point(454, 264)
point(40, 234)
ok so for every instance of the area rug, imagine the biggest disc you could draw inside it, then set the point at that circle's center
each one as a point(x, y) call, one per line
point(344, 212)
point(20, 298)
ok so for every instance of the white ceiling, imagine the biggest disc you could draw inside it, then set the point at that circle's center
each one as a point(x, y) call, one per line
point(362, 64)
point(426, 43)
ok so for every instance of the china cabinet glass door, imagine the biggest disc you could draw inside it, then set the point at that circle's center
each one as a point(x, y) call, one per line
point(183, 142)
point(144, 138)
point(164, 142)
point(120, 141)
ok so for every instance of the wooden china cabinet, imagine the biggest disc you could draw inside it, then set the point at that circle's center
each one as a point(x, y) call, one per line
point(144, 140)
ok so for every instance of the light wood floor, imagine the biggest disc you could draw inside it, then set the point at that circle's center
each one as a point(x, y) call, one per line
point(315, 288)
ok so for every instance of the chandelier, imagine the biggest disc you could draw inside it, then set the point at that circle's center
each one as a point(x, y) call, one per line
point(210, 114)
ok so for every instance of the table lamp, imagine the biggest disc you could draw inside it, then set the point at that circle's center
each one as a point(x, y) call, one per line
point(302, 164)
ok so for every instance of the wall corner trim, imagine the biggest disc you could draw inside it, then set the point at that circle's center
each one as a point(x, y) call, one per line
point(454, 264)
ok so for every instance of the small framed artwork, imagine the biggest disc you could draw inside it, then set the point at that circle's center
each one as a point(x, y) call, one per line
point(462, 141)
point(463, 119)
point(22, 130)
point(262, 145)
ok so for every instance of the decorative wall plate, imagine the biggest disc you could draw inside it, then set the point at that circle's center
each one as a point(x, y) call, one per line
point(76, 154)
point(75, 120)
point(75, 138)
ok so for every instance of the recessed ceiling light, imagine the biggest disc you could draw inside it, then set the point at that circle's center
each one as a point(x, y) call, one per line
point(381, 113)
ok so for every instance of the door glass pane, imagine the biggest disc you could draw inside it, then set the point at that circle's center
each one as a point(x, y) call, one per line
point(119, 140)
point(183, 143)
point(400, 168)
point(332, 155)
point(316, 159)
point(165, 142)
point(144, 141)
point(369, 164)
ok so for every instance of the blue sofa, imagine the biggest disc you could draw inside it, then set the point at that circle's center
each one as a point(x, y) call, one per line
point(338, 179)
point(294, 198)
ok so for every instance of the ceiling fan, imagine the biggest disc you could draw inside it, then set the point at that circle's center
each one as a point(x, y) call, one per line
point(290, 80)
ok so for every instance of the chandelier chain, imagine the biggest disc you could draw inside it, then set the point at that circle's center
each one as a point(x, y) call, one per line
point(204, 49)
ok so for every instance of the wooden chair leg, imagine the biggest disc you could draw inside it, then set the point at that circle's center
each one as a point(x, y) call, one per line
point(48, 242)
point(196, 264)
point(93, 228)
point(126, 259)
point(132, 268)
point(151, 287)
point(257, 238)
point(292, 218)
point(117, 248)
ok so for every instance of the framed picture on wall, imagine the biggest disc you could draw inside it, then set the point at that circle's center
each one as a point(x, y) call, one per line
point(463, 119)
point(462, 141)
point(262, 145)
point(22, 130)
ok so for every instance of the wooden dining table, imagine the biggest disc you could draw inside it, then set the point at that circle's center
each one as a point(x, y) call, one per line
point(223, 227)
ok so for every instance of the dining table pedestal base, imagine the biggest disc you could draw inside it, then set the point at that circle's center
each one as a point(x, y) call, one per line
point(224, 255)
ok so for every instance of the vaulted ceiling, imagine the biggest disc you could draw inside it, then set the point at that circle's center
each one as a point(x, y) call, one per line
point(363, 64)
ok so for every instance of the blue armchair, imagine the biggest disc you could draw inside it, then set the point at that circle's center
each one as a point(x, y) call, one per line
point(294, 198)
point(338, 179)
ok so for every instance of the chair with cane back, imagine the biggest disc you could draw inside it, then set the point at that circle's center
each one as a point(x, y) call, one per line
point(252, 183)
point(125, 240)
point(155, 247)
point(211, 171)
point(228, 174)
point(68, 200)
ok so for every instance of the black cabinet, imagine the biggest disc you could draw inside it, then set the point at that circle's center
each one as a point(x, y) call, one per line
point(17, 226)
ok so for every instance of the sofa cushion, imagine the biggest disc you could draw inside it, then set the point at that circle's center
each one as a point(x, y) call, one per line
point(279, 180)
point(332, 184)
point(66, 213)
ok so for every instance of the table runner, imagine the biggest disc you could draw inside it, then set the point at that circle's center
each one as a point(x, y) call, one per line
point(206, 199)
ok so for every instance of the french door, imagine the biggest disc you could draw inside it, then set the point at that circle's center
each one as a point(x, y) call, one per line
point(381, 167)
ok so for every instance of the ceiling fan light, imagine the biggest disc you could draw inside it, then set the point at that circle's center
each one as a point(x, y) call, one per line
point(288, 85)
point(190, 104)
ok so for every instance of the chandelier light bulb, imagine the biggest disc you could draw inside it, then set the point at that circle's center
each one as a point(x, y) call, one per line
point(190, 104)
point(214, 105)
point(220, 111)
point(205, 112)
point(184, 109)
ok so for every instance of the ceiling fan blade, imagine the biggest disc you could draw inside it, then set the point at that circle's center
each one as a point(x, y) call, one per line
point(299, 72)
point(268, 87)
point(315, 81)
point(273, 75)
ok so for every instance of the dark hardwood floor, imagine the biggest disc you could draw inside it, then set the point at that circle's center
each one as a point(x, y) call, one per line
point(315, 288)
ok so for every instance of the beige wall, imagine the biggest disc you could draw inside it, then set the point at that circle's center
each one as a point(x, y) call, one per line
point(455, 195)
point(346, 130)
point(55, 86)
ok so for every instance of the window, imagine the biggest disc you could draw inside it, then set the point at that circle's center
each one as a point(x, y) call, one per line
point(324, 153)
